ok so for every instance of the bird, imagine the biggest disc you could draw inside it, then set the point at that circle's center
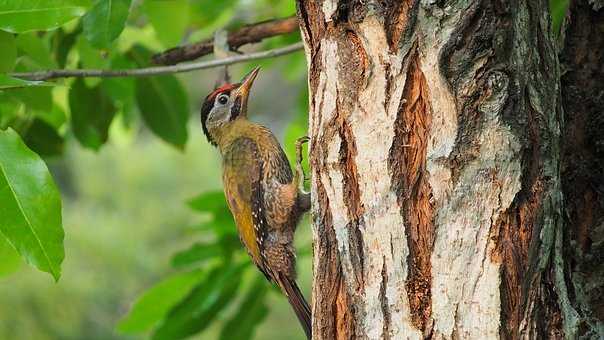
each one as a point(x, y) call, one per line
point(264, 197)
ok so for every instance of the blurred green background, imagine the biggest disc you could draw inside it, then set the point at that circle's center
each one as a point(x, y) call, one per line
point(125, 215)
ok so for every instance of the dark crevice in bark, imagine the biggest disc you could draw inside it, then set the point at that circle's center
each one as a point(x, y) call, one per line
point(352, 200)
point(344, 326)
point(582, 170)
point(384, 300)
point(312, 25)
point(550, 316)
point(407, 163)
point(457, 54)
point(538, 79)
point(350, 11)
point(400, 16)
point(515, 231)
point(529, 302)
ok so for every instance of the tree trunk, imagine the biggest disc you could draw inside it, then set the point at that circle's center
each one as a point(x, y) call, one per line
point(582, 59)
point(435, 152)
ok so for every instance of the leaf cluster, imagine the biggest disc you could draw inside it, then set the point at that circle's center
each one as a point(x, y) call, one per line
point(208, 281)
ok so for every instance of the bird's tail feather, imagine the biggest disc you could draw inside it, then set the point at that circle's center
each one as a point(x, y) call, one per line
point(298, 303)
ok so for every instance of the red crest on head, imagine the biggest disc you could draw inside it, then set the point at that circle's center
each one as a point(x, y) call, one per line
point(222, 89)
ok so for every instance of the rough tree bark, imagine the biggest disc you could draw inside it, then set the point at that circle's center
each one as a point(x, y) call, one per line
point(435, 152)
point(582, 60)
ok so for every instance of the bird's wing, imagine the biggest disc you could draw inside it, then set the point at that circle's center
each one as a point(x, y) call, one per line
point(280, 192)
point(242, 176)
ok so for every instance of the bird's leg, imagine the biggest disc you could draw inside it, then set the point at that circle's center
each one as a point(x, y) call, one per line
point(303, 196)
point(300, 176)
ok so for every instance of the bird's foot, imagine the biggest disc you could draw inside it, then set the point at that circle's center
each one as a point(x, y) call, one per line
point(300, 176)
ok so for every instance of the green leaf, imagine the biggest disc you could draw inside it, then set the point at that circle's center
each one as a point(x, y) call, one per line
point(250, 314)
point(169, 19)
point(9, 52)
point(211, 201)
point(91, 114)
point(163, 105)
point(202, 305)
point(43, 139)
point(55, 117)
point(10, 108)
point(20, 16)
point(558, 10)
point(91, 58)
point(10, 258)
point(30, 205)
point(162, 102)
point(155, 303)
point(105, 21)
point(214, 202)
point(7, 83)
point(205, 12)
point(221, 224)
point(64, 42)
point(197, 254)
point(36, 100)
point(231, 243)
point(121, 90)
point(35, 53)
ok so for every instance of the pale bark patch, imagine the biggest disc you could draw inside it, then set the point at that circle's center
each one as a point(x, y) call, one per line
point(465, 281)
point(384, 229)
point(329, 8)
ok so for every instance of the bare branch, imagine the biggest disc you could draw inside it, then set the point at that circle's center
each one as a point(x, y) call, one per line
point(245, 35)
point(157, 70)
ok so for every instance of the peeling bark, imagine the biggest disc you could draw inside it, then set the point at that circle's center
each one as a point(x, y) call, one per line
point(407, 163)
point(435, 152)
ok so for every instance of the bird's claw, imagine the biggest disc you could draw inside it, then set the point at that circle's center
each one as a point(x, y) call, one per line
point(300, 175)
point(303, 139)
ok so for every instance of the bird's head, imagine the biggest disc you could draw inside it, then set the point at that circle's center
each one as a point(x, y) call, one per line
point(224, 105)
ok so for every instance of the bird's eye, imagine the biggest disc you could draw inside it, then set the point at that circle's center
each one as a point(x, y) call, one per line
point(223, 99)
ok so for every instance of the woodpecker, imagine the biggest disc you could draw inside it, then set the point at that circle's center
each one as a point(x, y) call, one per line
point(262, 194)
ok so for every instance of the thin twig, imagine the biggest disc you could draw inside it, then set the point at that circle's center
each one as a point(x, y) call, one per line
point(157, 70)
point(245, 35)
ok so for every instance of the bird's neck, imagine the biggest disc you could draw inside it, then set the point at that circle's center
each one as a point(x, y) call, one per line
point(238, 128)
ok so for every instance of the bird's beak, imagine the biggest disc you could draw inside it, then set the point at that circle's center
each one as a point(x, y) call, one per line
point(246, 84)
